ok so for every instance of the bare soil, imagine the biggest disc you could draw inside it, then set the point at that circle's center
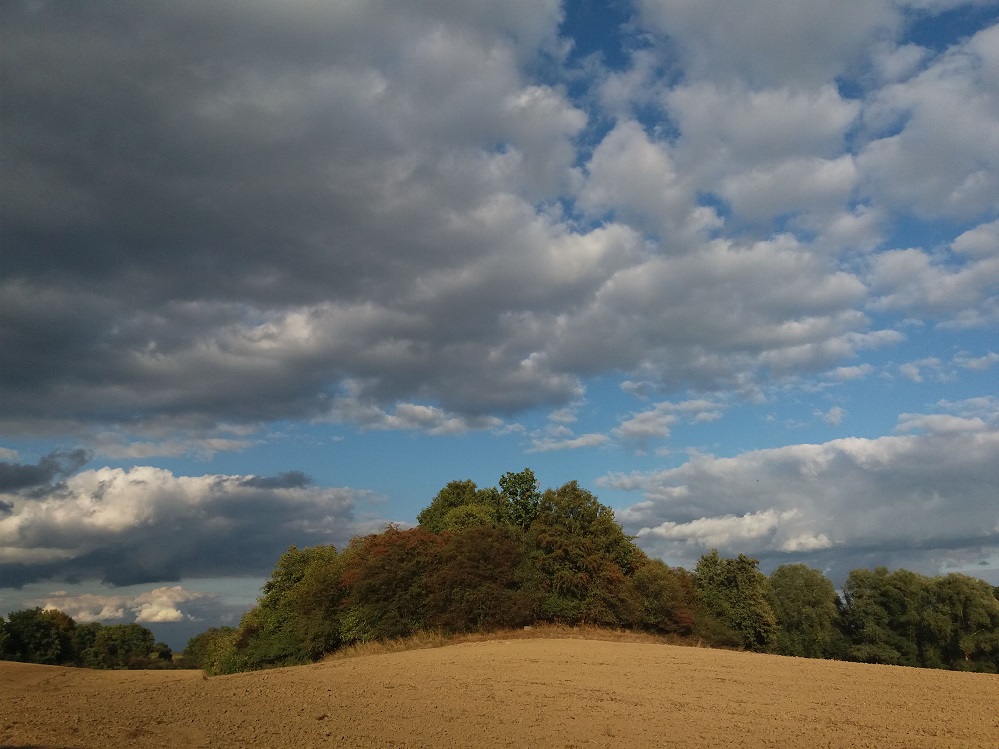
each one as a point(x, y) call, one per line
point(557, 693)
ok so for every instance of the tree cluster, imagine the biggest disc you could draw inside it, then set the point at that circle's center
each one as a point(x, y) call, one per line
point(486, 559)
point(51, 637)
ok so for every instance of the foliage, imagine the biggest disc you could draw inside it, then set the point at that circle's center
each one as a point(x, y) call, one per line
point(735, 592)
point(50, 637)
point(807, 611)
point(668, 597)
point(584, 560)
point(907, 619)
point(521, 491)
point(296, 617)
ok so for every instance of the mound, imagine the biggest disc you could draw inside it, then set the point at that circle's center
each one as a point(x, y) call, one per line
point(518, 693)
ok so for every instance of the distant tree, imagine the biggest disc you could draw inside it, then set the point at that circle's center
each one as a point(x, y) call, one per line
point(806, 606)
point(962, 624)
point(455, 495)
point(908, 619)
point(881, 612)
point(5, 652)
point(295, 618)
point(735, 592)
point(209, 649)
point(120, 646)
point(215, 651)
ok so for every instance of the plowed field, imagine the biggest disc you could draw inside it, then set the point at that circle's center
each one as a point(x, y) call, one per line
point(518, 693)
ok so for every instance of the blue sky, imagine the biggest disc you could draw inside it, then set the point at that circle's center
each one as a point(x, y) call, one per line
point(274, 273)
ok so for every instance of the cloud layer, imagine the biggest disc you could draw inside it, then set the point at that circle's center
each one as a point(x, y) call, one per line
point(267, 217)
point(145, 524)
point(922, 499)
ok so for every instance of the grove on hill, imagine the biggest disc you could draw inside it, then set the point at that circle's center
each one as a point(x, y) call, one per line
point(512, 556)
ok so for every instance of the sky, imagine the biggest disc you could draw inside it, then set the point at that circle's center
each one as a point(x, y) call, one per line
point(275, 273)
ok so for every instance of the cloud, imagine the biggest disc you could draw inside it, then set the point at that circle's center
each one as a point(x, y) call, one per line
point(834, 415)
point(913, 501)
point(782, 41)
point(147, 525)
point(940, 144)
point(17, 476)
point(845, 374)
point(155, 606)
point(548, 444)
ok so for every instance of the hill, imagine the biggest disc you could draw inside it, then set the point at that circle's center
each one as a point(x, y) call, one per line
point(507, 693)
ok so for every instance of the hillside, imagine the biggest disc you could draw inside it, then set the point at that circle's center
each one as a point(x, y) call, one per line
point(516, 693)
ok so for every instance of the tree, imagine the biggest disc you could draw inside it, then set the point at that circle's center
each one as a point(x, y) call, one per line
point(35, 636)
point(295, 618)
point(668, 597)
point(735, 592)
point(584, 559)
point(479, 582)
point(806, 606)
point(521, 492)
point(386, 580)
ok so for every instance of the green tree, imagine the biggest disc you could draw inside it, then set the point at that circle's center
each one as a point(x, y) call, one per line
point(455, 495)
point(295, 618)
point(668, 598)
point(521, 492)
point(120, 646)
point(37, 636)
point(735, 592)
point(584, 559)
point(5, 653)
point(215, 652)
point(806, 606)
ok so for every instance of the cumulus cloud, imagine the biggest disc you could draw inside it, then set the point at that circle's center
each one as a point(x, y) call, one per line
point(911, 500)
point(147, 525)
point(152, 607)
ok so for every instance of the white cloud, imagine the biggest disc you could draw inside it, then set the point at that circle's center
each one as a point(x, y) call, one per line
point(978, 363)
point(154, 606)
point(781, 41)
point(723, 531)
point(834, 415)
point(635, 177)
point(939, 423)
point(980, 242)
point(943, 161)
point(891, 500)
point(915, 370)
point(146, 524)
point(549, 444)
point(858, 372)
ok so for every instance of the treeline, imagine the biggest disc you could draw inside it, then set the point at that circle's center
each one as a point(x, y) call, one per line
point(487, 559)
point(53, 638)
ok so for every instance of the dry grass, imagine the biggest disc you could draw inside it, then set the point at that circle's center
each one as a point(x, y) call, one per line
point(428, 640)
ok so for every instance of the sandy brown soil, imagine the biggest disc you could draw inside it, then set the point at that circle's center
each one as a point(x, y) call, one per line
point(519, 693)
